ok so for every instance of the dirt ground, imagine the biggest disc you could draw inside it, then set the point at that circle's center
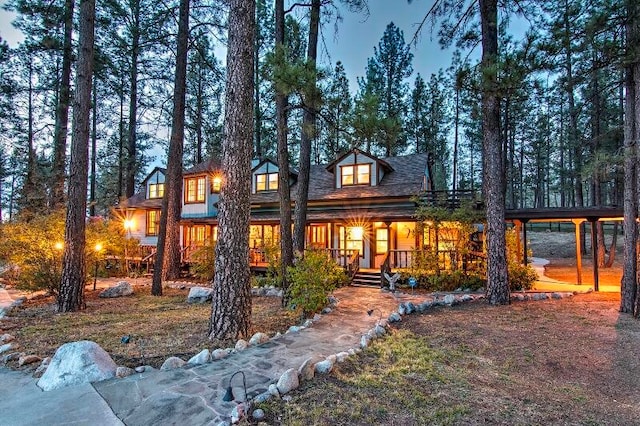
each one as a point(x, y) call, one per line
point(560, 249)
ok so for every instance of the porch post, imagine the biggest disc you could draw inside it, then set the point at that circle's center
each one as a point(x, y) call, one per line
point(518, 225)
point(577, 223)
point(525, 256)
point(594, 253)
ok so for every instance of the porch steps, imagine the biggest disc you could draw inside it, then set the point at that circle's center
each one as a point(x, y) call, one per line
point(366, 278)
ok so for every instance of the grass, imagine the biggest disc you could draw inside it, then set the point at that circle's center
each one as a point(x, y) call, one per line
point(158, 327)
point(528, 363)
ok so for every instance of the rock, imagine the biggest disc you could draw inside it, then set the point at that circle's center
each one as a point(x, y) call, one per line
point(365, 340)
point(122, 288)
point(172, 363)
point(124, 372)
point(6, 338)
point(258, 414)
point(7, 347)
point(273, 292)
point(241, 345)
point(203, 357)
point(466, 298)
point(449, 299)
point(395, 317)
point(258, 339)
point(402, 310)
point(519, 297)
point(28, 359)
point(342, 356)
point(306, 370)
point(199, 295)
point(288, 381)
point(327, 310)
point(12, 357)
point(308, 323)
point(294, 329)
point(75, 363)
point(219, 354)
point(333, 358)
point(372, 333)
point(540, 296)
point(263, 397)
point(556, 296)
point(379, 330)
point(238, 412)
point(324, 367)
point(316, 318)
point(273, 389)
point(410, 307)
point(140, 369)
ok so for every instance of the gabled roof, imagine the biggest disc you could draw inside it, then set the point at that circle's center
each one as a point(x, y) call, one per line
point(139, 201)
point(204, 167)
point(257, 164)
point(331, 166)
point(155, 169)
point(404, 179)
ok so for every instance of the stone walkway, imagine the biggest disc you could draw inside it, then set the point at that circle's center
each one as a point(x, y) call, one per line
point(194, 395)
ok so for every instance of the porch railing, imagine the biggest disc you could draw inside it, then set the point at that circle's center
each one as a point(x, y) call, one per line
point(449, 199)
point(447, 260)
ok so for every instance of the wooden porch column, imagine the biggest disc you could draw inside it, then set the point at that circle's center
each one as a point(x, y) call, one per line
point(594, 253)
point(524, 243)
point(518, 225)
point(577, 223)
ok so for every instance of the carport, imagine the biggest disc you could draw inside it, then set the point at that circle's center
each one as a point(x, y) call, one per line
point(575, 215)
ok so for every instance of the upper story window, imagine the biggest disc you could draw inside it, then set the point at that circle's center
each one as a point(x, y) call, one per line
point(194, 190)
point(156, 190)
point(267, 182)
point(356, 174)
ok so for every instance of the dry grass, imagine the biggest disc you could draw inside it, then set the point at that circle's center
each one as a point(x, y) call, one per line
point(570, 362)
point(158, 326)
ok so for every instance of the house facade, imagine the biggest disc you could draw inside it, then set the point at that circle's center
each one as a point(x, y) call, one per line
point(358, 205)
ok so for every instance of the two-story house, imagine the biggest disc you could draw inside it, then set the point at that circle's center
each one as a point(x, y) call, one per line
point(357, 202)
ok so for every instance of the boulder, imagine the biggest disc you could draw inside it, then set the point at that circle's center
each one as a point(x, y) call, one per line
point(365, 340)
point(258, 414)
point(241, 345)
point(6, 338)
point(288, 381)
point(294, 329)
point(219, 354)
point(172, 363)
point(122, 288)
point(449, 299)
point(200, 295)
point(28, 359)
point(306, 370)
point(7, 347)
point(324, 367)
point(395, 317)
point(75, 363)
point(342, 356)
point(258, 339)
point(203, 357)
point(124, 372)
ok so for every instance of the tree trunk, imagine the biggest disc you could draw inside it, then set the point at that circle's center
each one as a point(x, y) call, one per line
point(94, 143)
point(62, 112)
point(70, 297)
point(167, 262)
point(308, 133)
point(132, 163)
point(286, 239)
point(231, 305)
point(493, 174)
point(629, 282)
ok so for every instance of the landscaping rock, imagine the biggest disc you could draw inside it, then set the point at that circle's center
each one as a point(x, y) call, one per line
point(124, 372)
point(449, 299)
point(238, 412)
point(7, 347)
point(327, 310)
point(75, 363)
point(241, 345)
point(172, 363)
point(379, 330)
point(28, 359)
point(333, 301)
point(395, 317)
point(41, 368)
point(288, 381)
point(200, 295)
point(342, 356)
point(219, 354)
point(324, 367)
point(203, 357)
point(258, 339)
point(263, 397)
point(306, 370)
point(364, 341)
point(273, 292)
point(402, 310)
point(294, 329)
point(466, 298)
point(6, 338)
point(122, 288)
point(12, 357)
point(273, 389)
point(540, 296)
point(410, 307)
point(258, 414)
point(556, 296)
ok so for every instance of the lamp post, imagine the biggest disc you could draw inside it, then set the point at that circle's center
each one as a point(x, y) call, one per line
point(97, 249)
point(127, 224)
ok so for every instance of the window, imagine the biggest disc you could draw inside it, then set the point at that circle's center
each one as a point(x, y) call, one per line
point(194, 190)
point(357, 174)
point(382, 241)
point(156, 190)
point(267, 182)
point(317, 236)
point(153, 222)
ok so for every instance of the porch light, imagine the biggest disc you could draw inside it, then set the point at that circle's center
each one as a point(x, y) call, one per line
point(216, 183)
point(357, 232)
point(128, 224)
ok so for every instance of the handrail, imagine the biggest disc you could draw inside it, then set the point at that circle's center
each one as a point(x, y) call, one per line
point(353, 265)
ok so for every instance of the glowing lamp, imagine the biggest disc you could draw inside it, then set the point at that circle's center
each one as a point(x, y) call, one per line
point(128, 224)
point(357, 232)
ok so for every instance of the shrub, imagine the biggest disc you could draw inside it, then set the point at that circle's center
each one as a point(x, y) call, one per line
point(31, 251)
point(202, 261)
point(312, 279)
point(521, 277)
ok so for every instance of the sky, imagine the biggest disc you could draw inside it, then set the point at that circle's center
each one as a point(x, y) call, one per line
point(355, 38)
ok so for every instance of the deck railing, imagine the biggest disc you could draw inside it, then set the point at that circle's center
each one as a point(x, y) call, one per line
point(447, 260)
point(450, 199)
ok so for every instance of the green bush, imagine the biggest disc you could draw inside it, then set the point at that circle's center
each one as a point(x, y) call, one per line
point(311, 281)
point(202, 261)
point(446, 281)
point(521, 277)
point(31, 251)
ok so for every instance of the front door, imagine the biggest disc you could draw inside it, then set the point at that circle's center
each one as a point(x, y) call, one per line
point(354, 238)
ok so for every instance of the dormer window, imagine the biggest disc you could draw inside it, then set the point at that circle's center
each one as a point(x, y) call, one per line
point(356, 174)
point(194, 190)
point(156, 190)
point(266, 182)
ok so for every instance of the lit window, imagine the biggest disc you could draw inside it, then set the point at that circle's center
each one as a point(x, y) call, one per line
point(156, 190)
point(357, 174)
point(267, 182)
point(194, 190)
point(153, 222)
point(382, 241)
